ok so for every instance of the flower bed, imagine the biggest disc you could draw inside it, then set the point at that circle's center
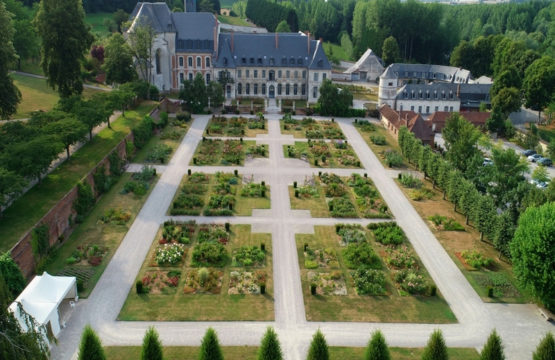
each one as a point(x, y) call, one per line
point(89, 254)
point(337, 154)
point(311, 129)
point(369, 281)
point(209, 254)
point(320, 258)
point(331, 283)
point(246, 282)
point(203, 281)
point(160, 282)
point(212, 233)
point(248, 256)
point(169, 254)
point(388, 233)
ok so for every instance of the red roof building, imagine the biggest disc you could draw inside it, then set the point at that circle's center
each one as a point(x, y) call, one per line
point(393, 120)
point(437, 121)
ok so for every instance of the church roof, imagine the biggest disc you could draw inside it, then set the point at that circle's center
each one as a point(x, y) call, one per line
point(157, 15)
point(194, 25)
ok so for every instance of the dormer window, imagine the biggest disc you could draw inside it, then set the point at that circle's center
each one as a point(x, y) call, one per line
point(427, 94)
point(450, 95)
point(413, 94)
point(225, 61)
point(320, 63)
point(272, 61)
point(252, 61)
point(299, 61)
point(443, 94)
point(244, 60)
point(291, 61)
point(260, 61)
point(420, 94)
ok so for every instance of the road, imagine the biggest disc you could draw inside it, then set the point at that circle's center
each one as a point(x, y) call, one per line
point(519, 325)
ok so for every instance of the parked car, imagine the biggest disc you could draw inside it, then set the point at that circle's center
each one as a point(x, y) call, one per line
point(534, 158)
point(538, 184)
point(545, 161)
point(487, 161)
point(528, 152)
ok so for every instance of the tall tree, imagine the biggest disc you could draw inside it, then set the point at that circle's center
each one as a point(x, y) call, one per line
point(12, 275)
point(118, 62)
point(333, 100)
point(210, 347)
point(152, 347)
point(141, 40)
point(90, 347)
point(390, 51)
point(461, 138)
point(270, 348)
point(215, 93)
point(504, 232)
point(506, 101)
point(539, 84)
point(508, 78)
point(377, 348)
point(533, 252)
point(194, 94)
point(68, 130)
point(493, 350)
point(34, 157)
point(318, 347)
point(508, 171)
point(9, 94)
point(435, 349)
point(11, 185)
point(119, 17)
point(65, 40)
point(546, 348)
point(16, 344)
point(88, 113)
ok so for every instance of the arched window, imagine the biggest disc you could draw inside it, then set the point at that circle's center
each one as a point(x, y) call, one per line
point(157, 60)
point(198, 61)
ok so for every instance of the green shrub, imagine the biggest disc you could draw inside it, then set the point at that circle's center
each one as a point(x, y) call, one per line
point(143, 132)
point(476, 259)
point(361, 255)
point(342, 207)
point(139, 287)
point(411, 281)
point(378, 139)
point(210, 254)
point(159, 153)
point(369, 281)
point(410, 181)
point(249, 256)
point(310, 264)
point(85, 200)
point(388, 233)
point(393, 158)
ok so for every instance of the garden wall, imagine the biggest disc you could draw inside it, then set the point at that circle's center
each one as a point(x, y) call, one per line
point(59, 218)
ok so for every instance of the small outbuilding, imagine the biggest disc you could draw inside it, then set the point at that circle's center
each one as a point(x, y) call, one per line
point(368, 68)
point(47, 299)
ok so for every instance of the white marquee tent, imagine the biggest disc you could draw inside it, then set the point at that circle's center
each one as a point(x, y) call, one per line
point(42, 299)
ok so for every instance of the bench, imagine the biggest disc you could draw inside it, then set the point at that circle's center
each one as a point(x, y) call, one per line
point(545, 314)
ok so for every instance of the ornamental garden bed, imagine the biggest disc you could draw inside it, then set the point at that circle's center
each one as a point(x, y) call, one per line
point(220, 194)
point(329, 195)
point(222, 275)
point(160, 148)
point(493, 278)
point(382, 143)
point(237, 126)
point(372, 275)
point(319, 153)
point(308, 128)
point(90, 247)
point(225, 152)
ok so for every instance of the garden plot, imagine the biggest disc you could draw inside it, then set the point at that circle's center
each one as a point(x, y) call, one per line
point(236, 126)
point(309, 128)
point(204, 272)
point(350, 273)
point(163, 144)
point(319, 153)
point(226, 152)
point(381, 142)
point(329, 195)
point(220, 194)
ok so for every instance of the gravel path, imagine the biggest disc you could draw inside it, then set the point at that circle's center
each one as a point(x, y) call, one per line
point(519, 325)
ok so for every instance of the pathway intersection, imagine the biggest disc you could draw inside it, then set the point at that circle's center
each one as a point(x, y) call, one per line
point(519, 325)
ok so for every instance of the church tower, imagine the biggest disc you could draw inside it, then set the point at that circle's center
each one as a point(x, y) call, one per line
point(190, 5)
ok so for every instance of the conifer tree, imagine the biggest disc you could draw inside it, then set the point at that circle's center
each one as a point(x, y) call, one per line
point(318, 347)
point(493, 350)
point(90, 348)
point(546, 348)
point(270, 348)
point(152, 347)
point(210, 347)
point(436, 349)
point(377, 348)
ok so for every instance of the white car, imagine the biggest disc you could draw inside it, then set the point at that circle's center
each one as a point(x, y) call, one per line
point(539, 184)
point(487, 161)
point(534, 158)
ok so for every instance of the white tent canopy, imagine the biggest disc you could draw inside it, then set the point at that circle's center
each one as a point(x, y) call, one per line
point(41, 299)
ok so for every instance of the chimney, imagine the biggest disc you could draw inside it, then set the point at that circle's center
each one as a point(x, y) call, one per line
point(232, 37)
point(216, 37)
point(308, 43)
point(277, 41)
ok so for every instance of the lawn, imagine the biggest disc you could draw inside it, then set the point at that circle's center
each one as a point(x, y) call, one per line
point(184, 290)
point(233, 20)
point(96, 21)
point(236, 126)
point(227, 152)
point(334, 154)
point(402, 353)
point(160, 148)
point(372, 133)
point(498, 275)
point(97, 229)
point(28, 209)
point(332, 196)
point(180, 352)
point(362, 92)
point(219, 194)
point(326, 265)
point(37, 95)
point(309, 128)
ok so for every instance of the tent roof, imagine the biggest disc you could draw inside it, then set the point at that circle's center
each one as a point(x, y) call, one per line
point(43, 295)
point(366, 62)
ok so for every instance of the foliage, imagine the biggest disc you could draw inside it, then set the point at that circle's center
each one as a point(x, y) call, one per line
point(390, 51)
point(283, 27)
point(410, 181)
point(393, 159)
point(209, 253)
point(411, 281)
point(11, 274)
point(141, 41)
point(159, 153)
point(32, 158)
point(65, 40)
point(377, 348)
point(318, 349)
point(342, 207)
point(435, 349)
point(461, 139)
point(194, 94)
point(10, 96)
point(540, 174)
point(268, 14)
point(369, 281)
point(532, 252)
point(85, 199)
point(249, 256)
point(152, 347)
point(539, 83)
point(90, 347)
point(40, 240)
point(546, 348)
point(270, 348)
point(493, 349)
point(11, 185)
point(170, 254)
point(143, 132)
point(378, 139)
point(333, 101)
point(476, 259)
point(358, 255)
point(388, 233)
point(210, 347)
point(118, 63)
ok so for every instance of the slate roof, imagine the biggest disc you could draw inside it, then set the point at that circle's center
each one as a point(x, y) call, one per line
point(260, 50)
point(438, 119)
point(406, 91)
point(427, 72)
point(157, 15)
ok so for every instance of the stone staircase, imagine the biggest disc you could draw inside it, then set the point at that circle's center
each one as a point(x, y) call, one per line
point(272, 107)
